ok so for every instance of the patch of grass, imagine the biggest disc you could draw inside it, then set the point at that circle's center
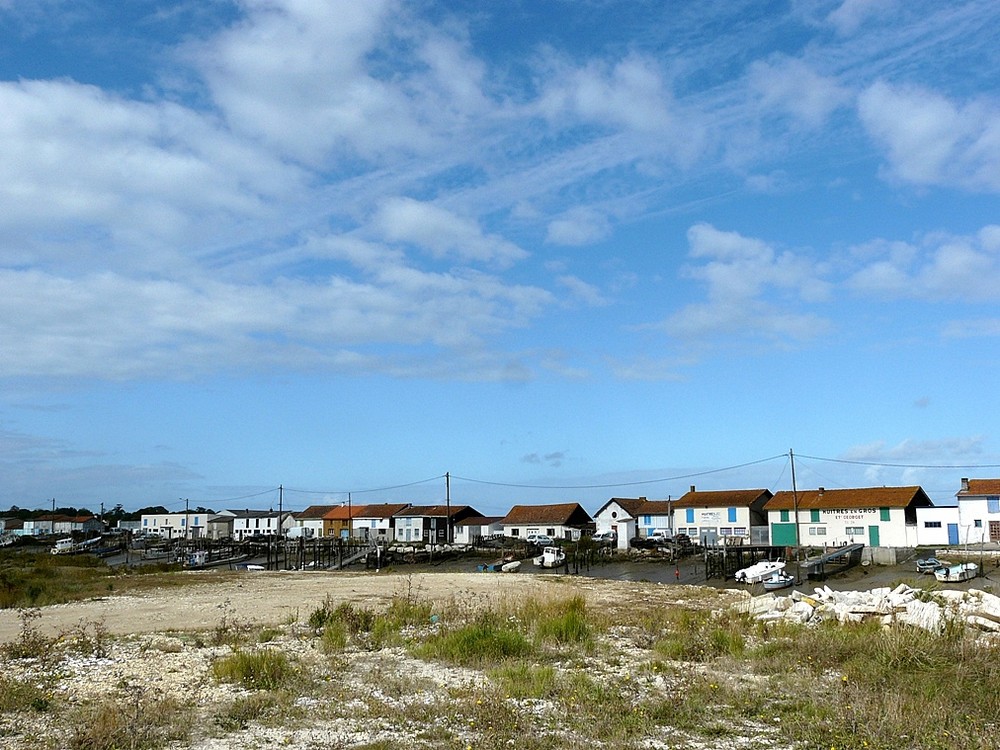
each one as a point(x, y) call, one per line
point(694, 635)
point(520, 679)
point(256, 707)
point(262, 669)
point(489, 639)
point(21, 695)
point(136, 721)
point(565, 623)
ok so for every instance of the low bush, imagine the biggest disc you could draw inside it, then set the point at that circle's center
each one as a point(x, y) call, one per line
point(262, 669)
point(488, 640)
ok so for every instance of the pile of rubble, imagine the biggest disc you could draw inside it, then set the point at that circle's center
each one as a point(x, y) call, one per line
point(932, 611)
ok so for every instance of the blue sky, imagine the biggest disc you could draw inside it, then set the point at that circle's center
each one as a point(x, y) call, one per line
point(563, 251)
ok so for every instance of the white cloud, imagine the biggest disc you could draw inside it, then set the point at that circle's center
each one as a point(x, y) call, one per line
point(932, 141)
point(586, 293)
point(938, 267)
point(629, 94)
point(110, 326)
point(739, 274)
point(578, 226)
point(441, 232)
point(851, 14)
point(791, 86)
point(77, 162)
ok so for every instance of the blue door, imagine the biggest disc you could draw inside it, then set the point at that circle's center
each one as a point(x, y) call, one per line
point(952, 533)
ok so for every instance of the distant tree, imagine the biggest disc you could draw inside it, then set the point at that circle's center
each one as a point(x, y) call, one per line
point(199, 509)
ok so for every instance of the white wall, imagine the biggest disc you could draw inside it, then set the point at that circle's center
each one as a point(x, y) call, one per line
point(932, 525)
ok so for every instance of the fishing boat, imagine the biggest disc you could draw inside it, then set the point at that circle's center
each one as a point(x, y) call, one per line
point(64, 547)
point(551, 557)
point(510, 567)
point(778, 581)
point(957, 573)
point(759, 571)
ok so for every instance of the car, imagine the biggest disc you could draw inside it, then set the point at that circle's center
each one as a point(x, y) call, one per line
point(605, 537)
point(929, 565)
point(540, 540)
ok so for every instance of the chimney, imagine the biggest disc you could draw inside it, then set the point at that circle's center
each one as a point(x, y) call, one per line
point(965, 484)
point(692, 488)
point(822, 490)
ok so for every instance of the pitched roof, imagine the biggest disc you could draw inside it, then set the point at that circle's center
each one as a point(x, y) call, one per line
point(629, 504)
point(382, 510)
point(439, 511)
point(562, 514)
point(722, 498)
point(478, 521)
point(980, 487)
point(861, 497)
point(340, 512)
point(314, 512)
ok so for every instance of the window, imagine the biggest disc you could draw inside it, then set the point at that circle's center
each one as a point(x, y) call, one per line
point(817, 531)
point(726, 531)
point(993, 504)
point(883, 514)
point(184, 522)
point(732, 515)
point(814, 515)
point(689, 515)
point(550, 532)
point(145, 522)
point(740, 531)
point(784, 515)
point(647, 521)
point(932, 524)
point(515, 532)
point(855, 531)
point(978, 523)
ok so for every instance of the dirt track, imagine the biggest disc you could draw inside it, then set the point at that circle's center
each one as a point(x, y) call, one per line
point(270, 598)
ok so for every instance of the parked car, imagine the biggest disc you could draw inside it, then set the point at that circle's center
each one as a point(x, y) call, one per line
point(929, 565)
point(540, 540)
point(605, 537)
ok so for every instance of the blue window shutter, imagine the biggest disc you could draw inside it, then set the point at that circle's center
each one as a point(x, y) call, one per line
point(689, 515)
point(732, 515)
point(993, 504)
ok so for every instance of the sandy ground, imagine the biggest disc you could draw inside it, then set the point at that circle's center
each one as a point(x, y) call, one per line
point(277, 597)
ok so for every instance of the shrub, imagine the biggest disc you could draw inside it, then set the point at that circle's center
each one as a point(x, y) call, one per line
point(135, 722)
point(566, 624)
point(264, 669)
point(489, 639)
point(30, 643)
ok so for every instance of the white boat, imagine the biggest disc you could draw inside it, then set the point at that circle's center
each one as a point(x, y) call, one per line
point(551, 557)
point(955, 573)
point(64, 547)
point(759, 571)
point(511, 567)
point(778, 581)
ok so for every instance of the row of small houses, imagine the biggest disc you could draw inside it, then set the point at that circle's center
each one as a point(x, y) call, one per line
point(875, 516)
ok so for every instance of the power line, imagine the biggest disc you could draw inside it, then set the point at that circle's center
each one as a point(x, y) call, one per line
point(617, 484)
point(373, 489)
point(899, 466)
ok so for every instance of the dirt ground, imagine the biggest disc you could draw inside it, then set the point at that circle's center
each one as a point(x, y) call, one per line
point(276, 597)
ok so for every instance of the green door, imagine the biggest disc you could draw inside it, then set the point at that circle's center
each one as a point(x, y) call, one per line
point(873, 536)
point(783, 534)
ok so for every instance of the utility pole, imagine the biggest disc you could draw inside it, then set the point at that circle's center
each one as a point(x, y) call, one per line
point(187, 517)
point(350, 519)
point(795, 512)
point(447, 504)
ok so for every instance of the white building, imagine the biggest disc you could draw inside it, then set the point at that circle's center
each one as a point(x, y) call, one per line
point(175, 525)
point(937, 526)
point(376, 521)
point(249, 523)
point(472, 530)
point(565, 521)
point(716, 517)
point(875, 516)
point(978, 511)
point(313, 518)
point(620, 515)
